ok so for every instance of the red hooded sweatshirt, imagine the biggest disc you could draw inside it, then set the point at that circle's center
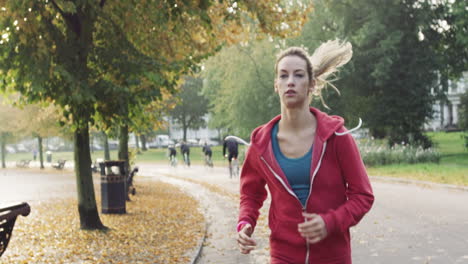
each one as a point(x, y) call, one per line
point(340, 192)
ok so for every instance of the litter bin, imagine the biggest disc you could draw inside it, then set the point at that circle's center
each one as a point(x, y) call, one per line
point(49, 156)
point(113, 187)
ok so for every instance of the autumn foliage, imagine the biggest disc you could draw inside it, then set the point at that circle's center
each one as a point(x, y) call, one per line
point(162, 225)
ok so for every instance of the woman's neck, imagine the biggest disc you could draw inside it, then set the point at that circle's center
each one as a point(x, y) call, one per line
point(296, 119)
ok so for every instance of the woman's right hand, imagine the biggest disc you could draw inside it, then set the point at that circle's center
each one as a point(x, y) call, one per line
point(244, 239)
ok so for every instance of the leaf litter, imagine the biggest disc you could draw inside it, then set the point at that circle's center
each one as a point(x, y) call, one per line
point(162, 225)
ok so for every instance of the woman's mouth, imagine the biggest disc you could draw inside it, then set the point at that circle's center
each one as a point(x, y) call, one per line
point(290, 92)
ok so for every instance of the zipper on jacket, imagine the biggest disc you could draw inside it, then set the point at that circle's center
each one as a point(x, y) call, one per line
point(294, 195)
point(310, 192)
point(304, 209)
point(307, 245)
point(316, 170)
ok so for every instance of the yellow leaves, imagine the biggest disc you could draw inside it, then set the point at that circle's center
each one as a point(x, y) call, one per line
point(162, 224)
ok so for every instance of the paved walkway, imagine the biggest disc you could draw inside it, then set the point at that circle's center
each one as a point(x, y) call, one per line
point(409, 223)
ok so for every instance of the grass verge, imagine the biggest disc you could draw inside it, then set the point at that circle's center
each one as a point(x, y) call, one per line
point(452, 169)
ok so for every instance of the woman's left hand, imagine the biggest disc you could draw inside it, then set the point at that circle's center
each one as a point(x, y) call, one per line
point(313, 229)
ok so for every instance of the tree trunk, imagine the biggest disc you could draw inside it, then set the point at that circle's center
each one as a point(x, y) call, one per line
point(143, 142)
point(220, 137)
point(87, 208)
point(91, 142)
point(443, 97)
point(123, 146)
point(137, 144)
point(442, 113)
point(106, 146)
point(184, 128)
point(3, 147)
point(39, 147)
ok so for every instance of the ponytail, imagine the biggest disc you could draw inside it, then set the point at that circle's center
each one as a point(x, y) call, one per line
point(326, 60)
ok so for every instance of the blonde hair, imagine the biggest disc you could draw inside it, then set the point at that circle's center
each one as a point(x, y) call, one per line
point(323, 63)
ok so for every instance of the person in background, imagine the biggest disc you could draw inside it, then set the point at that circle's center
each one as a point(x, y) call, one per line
point(206, 149)
point(185, 150)
point(315, 175)
point(232, 148)
point(172, 153)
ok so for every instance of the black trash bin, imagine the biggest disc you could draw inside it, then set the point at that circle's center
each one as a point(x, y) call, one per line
point(113, 187)
point(49, 156)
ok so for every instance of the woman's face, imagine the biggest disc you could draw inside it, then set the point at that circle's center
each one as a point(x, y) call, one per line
point(292, 82)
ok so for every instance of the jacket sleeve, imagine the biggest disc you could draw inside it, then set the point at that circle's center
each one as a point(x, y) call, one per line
point(358, 188)
point(252, 190)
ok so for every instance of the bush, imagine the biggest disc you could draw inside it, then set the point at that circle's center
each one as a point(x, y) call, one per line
point(375, 154)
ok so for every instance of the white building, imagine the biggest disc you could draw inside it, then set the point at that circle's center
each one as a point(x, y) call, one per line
point(446, 117)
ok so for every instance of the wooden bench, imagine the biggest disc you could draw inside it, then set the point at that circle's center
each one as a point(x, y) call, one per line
point(60, 164)
point(7, 222)
point(23, 163)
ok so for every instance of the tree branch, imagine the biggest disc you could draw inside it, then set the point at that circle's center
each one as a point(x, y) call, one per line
point(58, 8)
point(72, 21)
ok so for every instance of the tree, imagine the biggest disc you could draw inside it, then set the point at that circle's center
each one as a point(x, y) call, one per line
point(56, 50)
point(446, 34)
point(463, 120)
point(389, 79)
point(192, 106)
point(239, 85)
point(40, 121)
point(8, 118)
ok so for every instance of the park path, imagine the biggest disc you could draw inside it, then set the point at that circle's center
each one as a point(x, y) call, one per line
point(218, 205)
point(409, 223)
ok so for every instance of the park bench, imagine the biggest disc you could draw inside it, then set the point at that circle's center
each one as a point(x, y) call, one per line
point(60, 164)
point(129, 183)
point(7, 222)
point(23, 163)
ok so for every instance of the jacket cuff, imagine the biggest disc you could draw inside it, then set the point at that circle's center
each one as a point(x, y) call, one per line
point(241, 224)
point(330, 222)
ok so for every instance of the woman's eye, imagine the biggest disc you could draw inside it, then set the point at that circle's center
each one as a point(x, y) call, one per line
point(282, 76)
point(299, 75)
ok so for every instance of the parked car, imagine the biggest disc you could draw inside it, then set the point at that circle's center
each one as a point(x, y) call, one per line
point(161, 141)
point(21, 148)
point(192, 142)
point(10, 149)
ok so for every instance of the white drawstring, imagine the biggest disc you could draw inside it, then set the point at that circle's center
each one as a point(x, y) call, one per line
point(351, 130)
point(238, 139)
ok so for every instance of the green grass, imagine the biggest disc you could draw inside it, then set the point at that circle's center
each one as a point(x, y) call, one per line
point(152, 155)
point(439, 173)
point(196, 156)
point(448, 143)
point(452, 169)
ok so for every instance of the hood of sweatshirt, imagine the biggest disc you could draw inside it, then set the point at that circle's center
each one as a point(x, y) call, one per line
point(326, 126)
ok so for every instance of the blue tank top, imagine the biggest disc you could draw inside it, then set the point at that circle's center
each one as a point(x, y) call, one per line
point(297, 170)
